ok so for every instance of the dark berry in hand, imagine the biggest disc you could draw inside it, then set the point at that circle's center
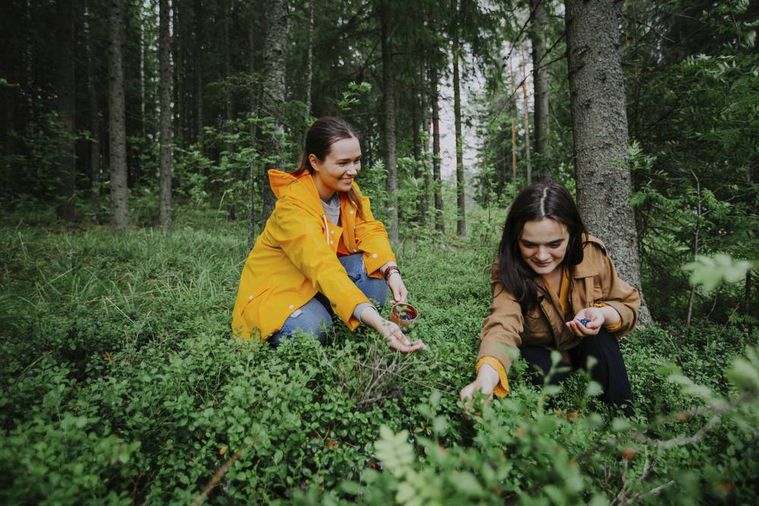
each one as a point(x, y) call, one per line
point(585, 321)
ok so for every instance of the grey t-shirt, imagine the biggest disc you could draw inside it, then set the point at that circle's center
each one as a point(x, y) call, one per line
point(332, 210)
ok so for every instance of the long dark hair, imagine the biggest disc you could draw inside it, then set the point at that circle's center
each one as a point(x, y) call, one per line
point(546, 199)
point(319, 140)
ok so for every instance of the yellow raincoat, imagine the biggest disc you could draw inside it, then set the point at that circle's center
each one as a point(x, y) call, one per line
point(296, 256)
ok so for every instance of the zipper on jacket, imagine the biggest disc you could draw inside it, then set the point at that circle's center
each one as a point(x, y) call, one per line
point(326, 228)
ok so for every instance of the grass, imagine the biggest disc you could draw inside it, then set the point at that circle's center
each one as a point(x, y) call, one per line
point(123, 384)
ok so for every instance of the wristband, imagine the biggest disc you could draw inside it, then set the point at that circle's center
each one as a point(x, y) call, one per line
point(390, 270)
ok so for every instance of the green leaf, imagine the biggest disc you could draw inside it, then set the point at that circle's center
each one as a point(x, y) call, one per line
point(466, 483)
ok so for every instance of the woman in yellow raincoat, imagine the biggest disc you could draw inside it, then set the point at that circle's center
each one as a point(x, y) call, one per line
point(321, 251)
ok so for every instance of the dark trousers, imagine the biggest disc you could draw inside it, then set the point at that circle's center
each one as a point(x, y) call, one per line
point(609, 370)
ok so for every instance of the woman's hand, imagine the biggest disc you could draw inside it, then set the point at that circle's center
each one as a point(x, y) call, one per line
point(390, 331)
point(487, 379)
point(397, 340)
point(396, 285)
point(596, 319)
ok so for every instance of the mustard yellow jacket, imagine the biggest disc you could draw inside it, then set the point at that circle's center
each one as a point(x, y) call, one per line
point(296, 256)
point(592, 281)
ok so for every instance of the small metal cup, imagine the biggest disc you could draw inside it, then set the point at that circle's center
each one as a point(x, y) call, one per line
point(404, 315)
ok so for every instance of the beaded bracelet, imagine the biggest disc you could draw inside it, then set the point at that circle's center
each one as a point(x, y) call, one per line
point(391, 269)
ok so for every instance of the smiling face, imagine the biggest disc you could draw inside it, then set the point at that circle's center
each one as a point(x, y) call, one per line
point(543, 245)
point(338, 169)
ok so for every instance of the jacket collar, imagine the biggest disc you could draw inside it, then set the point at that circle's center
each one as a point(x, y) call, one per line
point(586, 269)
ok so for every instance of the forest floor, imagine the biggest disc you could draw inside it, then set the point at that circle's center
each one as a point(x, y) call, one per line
point(122, 383)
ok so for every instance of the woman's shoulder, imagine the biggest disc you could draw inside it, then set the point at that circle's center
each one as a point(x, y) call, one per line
point(593, 248)
point(594, 257)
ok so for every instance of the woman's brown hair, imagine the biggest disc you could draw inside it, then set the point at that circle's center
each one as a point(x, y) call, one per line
point(538, 201)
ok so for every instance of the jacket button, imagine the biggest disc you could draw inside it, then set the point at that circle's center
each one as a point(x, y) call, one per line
point(331, 231)
point(250, 297)
point(291, 306)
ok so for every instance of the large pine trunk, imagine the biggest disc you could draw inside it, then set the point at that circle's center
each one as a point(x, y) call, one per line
point(460, 182)
point(116, 120)
point(388, 89)
point(599, 125)
point(94, 159)
point(166, 133)
point(272, 101)
point(437, 181)
point(538, 29)
point(525, 115)
point(66, 89)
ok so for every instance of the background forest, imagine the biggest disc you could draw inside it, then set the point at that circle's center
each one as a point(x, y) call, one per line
point(134, 140)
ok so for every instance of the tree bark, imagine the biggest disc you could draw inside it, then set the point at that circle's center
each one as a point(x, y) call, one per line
point(424, 202)
point(272, 103)
point(197, 64)
point(388, 88)
point(116, 119)
point(94, 158)
point(226, 6)
point(166, 133)
point(460, 182)
point(309, 65)
point(525, 115)
point(66, 103)
point(436, 179)
point(599, 125)
point(514, 145)
point(538, 28)
point(254, 210)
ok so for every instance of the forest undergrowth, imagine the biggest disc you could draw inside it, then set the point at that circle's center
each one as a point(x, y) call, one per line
point(122, 384)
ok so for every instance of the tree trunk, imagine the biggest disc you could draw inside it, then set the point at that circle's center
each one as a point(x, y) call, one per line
point(273, 99)
point(177, 53)
point(526, 115)
point(254, 210)
point(66, 103)
point(436, 179)
point(460, 196)
point(164, 83)
point(388, 89)
point(416, 148)
point(94, 158)
point(197, 64)
point(599, 125)
point(309, 66)
point(514, 145)
point(424, 202)
point(116, 120)
point(538, 29)
point(226, 5)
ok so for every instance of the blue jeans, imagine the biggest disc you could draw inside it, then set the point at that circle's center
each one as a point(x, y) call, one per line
point(315, 316)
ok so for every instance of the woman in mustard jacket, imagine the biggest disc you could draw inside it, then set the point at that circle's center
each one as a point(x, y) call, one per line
point(321, 251)
point(554, 288)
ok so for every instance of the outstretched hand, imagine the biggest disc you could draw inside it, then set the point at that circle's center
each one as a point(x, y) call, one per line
point(487, 379)
point(397, 340)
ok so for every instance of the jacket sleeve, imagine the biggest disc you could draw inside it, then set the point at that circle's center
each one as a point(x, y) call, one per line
point(371, 238)
point(500, 336)
point(301, 237)
point(623, 297)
